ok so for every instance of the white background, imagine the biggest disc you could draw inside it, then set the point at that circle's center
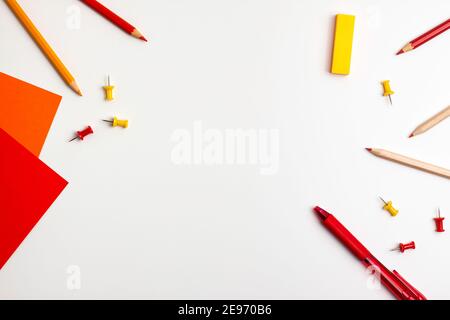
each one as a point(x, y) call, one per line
point(139, 226)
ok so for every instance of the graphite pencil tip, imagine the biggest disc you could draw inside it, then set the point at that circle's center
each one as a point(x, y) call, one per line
point(76, 88)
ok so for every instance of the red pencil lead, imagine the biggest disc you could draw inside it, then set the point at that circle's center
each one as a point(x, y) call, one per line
point(411, 135)
point(369, 149)
point(400, 52)
point(143, 38)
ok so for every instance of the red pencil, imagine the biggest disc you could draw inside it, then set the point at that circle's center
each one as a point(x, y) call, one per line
point(114, 18)
point(427, 36)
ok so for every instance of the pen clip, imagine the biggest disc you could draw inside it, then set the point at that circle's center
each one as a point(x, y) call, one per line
point(416, 293)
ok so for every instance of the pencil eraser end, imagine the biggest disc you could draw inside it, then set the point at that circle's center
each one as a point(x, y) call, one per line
point(343, 43)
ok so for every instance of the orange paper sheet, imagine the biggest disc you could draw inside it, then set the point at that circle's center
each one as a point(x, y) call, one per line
point(26, 112)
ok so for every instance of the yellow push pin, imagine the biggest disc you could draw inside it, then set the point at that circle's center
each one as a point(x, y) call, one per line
point(109, 91)
point(387, 90)
point(389, 208)
point(118, 123)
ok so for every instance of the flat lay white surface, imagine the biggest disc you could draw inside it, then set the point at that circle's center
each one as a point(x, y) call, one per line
point(134, 222)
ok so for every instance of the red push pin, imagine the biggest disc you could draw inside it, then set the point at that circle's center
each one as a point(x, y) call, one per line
point(439, 222)
point(82, 134)
point(406, 246)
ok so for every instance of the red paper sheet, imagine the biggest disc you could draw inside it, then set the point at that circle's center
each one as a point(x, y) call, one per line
point(28, 187)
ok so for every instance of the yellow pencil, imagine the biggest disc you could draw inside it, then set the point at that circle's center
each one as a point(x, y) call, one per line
point(430, 123)
point(43, 44)
point(410, 162)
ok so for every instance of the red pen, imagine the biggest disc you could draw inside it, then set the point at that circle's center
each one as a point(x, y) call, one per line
point(393, 281)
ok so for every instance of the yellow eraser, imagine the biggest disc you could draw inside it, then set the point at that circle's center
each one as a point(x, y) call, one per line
point(343, 41)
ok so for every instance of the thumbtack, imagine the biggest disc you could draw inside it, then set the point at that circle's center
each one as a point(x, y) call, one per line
point(387, 90)
point(389, 208)
point(439, 222)
point(82, 134)
point(402, 247)
point(118, 123)
point(109, 90)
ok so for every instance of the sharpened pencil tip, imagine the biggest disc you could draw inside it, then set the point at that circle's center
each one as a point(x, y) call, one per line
point(369, 149)
point(406, 48)
point(76, 88)
point(138, 35)
point(411, 135)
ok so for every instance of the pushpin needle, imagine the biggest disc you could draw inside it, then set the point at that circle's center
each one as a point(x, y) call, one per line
point(383, 200)
point(390, 99)
point(74, 138)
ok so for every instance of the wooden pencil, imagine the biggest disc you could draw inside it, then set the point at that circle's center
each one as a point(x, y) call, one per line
point(427, 36)
point(43, 45)
point(430, 123)
point(410, 162)
point(114, 18)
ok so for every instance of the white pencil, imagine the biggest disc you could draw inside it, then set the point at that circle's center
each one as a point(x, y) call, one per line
point(430, 123)
point(410, 162)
